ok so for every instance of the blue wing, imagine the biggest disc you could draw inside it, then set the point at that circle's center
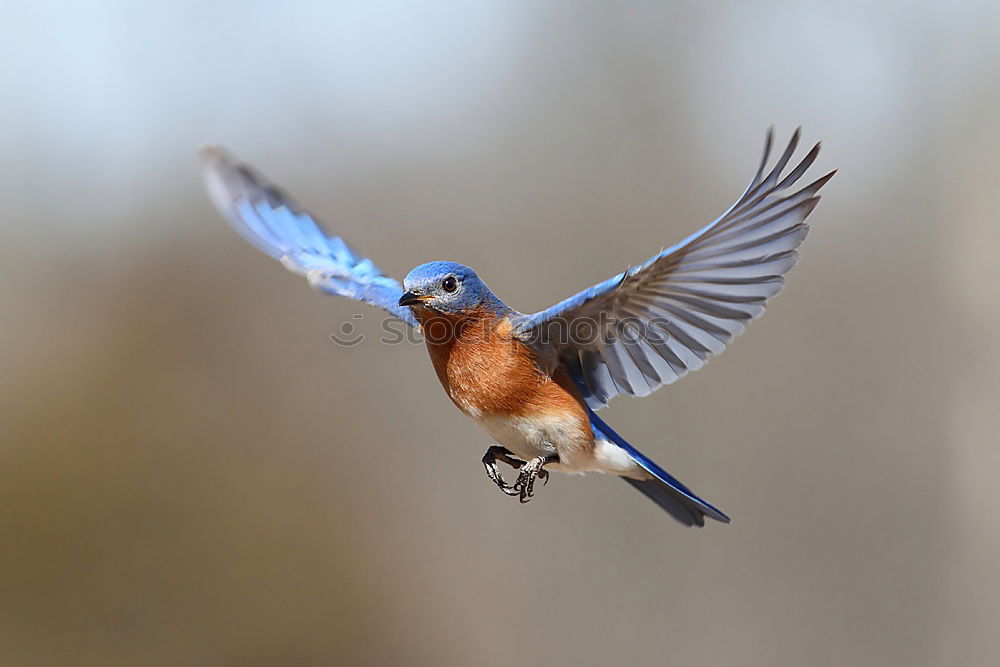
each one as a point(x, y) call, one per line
point(655, 323)
point(270, 220)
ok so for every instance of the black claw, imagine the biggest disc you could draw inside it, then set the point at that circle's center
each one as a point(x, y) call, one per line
point(495, 453)
point(531, 471)
point(528, 472)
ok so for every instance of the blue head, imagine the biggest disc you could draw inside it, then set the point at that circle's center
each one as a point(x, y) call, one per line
point(448, 287)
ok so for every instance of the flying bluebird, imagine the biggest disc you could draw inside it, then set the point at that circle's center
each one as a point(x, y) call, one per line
point(534, 382)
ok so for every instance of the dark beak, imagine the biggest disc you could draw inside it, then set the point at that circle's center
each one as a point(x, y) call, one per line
point(410, 299)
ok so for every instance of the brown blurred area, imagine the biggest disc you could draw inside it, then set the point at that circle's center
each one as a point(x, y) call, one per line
point(192, 473)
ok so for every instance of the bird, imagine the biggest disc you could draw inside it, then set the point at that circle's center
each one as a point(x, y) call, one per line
point(534, 382)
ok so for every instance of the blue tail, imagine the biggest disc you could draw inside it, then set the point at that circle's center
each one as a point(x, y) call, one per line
point(664, 489)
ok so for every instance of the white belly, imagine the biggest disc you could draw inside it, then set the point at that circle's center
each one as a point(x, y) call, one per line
point(530, 437)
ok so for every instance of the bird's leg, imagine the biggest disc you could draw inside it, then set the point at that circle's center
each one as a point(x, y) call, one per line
point(530, 471)
point(498, 453)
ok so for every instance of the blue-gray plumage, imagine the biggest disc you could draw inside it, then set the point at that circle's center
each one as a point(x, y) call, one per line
point(532, 381)
point(470, 292)
point(270, 220)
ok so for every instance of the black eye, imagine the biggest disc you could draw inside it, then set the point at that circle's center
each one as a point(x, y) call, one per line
point(449, 284)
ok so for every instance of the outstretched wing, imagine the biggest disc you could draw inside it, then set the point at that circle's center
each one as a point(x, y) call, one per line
point(270, 220)
point(655, 323)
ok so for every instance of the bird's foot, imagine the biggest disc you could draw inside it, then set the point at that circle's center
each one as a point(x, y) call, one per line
point(530, 471)
point(498, 453)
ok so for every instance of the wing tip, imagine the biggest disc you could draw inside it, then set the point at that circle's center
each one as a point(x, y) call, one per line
point(220, 172)
point(216, 157)
point(211, 150)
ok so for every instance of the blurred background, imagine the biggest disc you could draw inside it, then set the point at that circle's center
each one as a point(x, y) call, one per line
point(192, 473)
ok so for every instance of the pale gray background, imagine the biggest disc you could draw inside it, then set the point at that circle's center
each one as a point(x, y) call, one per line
point(191, 473)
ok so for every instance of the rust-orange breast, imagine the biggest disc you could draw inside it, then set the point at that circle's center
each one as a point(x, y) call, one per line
point(487, 372)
